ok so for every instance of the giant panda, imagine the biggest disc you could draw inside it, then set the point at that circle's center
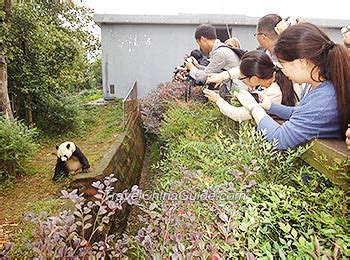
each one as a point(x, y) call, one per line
point(69, 158)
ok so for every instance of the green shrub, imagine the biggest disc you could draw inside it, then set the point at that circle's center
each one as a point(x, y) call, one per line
point(16, 146)
point(58, 114)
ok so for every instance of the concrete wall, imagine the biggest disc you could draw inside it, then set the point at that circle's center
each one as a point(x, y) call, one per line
point(147, 48)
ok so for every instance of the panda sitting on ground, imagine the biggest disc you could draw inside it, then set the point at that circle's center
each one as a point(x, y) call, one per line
point(69, 159)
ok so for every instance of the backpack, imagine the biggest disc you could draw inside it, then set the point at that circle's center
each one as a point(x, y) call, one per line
point(237, 51)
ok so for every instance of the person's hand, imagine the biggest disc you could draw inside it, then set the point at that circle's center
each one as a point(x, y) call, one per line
point(180, 68)
point(211, 95)
point(346, 34)
point(215, 78)
point(265, 102)
point(284, 24)
point(347, 141)
point(246, 99)
point(194, 61)
point(189, 65)
point(281, 26)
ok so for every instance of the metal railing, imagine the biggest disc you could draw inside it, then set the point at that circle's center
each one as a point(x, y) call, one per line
point(130, 105)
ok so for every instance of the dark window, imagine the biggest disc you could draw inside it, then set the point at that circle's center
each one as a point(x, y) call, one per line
point(221, 33)
point(111, 89)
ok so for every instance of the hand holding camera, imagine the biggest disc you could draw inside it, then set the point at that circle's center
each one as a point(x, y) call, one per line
point(285, 23)
point(211, 95)
point(345, 31)
point(216, 78)
point(265, 102)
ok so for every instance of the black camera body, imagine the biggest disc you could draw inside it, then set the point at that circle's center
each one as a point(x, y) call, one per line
point(210, 86)
point(256, 96)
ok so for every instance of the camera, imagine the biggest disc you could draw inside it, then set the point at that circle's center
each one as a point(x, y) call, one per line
point(255, 96)
point(345, 29)
point(210, 86)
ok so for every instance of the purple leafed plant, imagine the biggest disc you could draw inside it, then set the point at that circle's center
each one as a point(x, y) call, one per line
point(169, 230)
point(5, 250)
point(82, 232)
point(154, 105)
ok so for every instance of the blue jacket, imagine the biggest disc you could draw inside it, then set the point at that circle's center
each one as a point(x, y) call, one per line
point(316, 116)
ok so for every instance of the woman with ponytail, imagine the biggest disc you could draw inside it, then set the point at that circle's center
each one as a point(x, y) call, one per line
point(307, 55)
point(256, 70)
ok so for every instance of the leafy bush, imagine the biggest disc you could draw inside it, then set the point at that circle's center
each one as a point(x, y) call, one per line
point(200, 138)
point(82, 233)
point(16, 146)
point(157, 102)
point(58, 114)
point(96, 68)
point(190, 120)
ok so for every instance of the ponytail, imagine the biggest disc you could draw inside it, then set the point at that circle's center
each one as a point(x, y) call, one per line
point(337, 70)
point(289, 97)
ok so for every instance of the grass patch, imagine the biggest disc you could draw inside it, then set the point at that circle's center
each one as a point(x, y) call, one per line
point(90, 95)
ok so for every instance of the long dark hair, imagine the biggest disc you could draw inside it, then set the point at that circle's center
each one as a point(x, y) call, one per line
point(259, 64)
point(307, 41)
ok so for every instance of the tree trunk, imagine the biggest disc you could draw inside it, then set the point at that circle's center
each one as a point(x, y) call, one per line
point(28, 109)
point(7, 9)
point(5, 105)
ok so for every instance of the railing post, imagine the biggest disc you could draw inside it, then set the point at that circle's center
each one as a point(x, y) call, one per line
point(130, 104)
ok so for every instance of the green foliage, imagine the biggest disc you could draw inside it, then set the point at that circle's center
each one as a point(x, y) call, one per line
point(57, 115)
point(90, 95)
point(48, 44)
point(191, 120)
point(17, 145)
point(112, 124)
point(201, 139)
point(96, 68)
point(292, 215)
point(108, 116)
point(288, 210)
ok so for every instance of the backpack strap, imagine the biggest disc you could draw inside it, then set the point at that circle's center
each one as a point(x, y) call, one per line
point(239, 52)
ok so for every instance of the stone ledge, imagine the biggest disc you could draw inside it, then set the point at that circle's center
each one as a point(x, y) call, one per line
point(332, 158)
point(124, 159)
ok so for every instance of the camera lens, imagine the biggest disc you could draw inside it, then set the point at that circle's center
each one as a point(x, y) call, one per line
point(256, 96)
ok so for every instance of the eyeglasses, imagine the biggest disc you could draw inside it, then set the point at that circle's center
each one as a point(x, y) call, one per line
point(243, 77)
point(259, 33)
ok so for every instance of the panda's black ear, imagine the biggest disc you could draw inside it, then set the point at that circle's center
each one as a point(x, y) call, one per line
point(56, 147)
point(68, 145)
